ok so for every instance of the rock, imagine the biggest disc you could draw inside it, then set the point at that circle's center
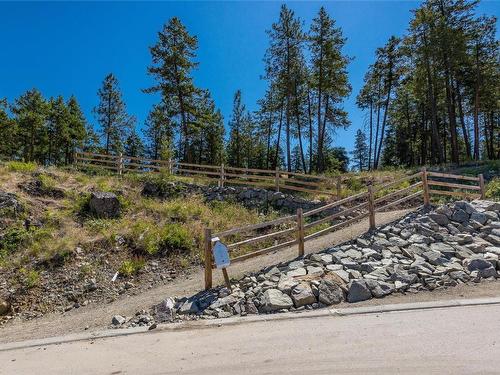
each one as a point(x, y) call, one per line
point(315, 271)
point(286, 284)
point(302, 295)
point(165, 310)
point(460, 216)
point(4, 307)
point(9, 203)
point(488, 272)
point(404, 277)
point(435, 258)
point(297, 272)
point(479, 217)
point(379, 289)
point(440, 219)
point(358, 291)
point(118, 320)
point(330, 293)
point(274, 300)
point(478, 264)
point(104, 205)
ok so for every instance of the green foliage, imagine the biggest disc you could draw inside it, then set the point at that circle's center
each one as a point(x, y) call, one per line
point(175, 237)
point(19, 166)
point(493, 189)
point(12, 239)
point(29, 278)
point(131, 266)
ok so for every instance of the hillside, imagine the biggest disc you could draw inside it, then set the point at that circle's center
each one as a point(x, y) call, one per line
point(57, 254)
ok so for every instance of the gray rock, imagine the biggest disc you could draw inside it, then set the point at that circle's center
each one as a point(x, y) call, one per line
point(460, 216)
point(302, 295)
point(478, 264)
point(9, 202)
point(286, 284)
point(440, 219)
point(118, 320)
point(379, 289)
point(104, 205)
point(479, 217)
point(488, 272)
point(330, 293)
point(404, 277)
point(297, 272)
point(358, 291)
point(274, 300)
point(435, 258)
point(315, 271)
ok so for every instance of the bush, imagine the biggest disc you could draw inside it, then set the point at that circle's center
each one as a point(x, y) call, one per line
point(493, 189)
point(131, 266)
point(12, 239)
point(30, 278)
point(19, 166)
point(176, 237)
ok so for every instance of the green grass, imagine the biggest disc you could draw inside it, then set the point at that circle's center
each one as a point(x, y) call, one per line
point(19, 166)
point(131, 266)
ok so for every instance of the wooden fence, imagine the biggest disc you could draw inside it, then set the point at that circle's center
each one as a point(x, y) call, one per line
point(223, 175)
point(303, 226)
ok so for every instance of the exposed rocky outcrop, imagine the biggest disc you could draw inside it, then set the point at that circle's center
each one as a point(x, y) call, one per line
point(104, 205)
point(249, 197)
point(10, 204)
point(454, 244)
point(36, 188)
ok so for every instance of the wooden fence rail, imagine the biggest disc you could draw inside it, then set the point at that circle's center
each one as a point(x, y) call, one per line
point(376, 199)
point(223, 175)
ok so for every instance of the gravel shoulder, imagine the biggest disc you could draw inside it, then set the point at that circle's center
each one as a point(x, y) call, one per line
point(94, 317)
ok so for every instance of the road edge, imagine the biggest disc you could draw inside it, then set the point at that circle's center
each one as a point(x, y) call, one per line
point(233, 321)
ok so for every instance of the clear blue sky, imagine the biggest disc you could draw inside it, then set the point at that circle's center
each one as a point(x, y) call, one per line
point(68, 48)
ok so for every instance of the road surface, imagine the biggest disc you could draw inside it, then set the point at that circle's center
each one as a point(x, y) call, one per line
point(456, 340)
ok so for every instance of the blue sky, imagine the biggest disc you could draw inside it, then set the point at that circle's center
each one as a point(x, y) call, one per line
point(68, 48)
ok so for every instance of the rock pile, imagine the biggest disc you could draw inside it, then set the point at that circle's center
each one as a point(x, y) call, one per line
point(248, 197)
point(10, 204)
point(454, 244)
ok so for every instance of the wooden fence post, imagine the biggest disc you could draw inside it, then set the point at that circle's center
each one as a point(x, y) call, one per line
point(170, 166)
point(427, 200)
point(371, 206)
point(481, 185)
point(277, 179)
point(120, 164)
point(221, 183)
point(300, 231)
point(339, 186)
point(208, 258)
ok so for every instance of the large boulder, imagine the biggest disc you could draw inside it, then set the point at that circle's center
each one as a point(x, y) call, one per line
point(302, 295)
point(274, 300)
point(4, 307)
point(358, 291)
point(330, 292)
point(104, 205)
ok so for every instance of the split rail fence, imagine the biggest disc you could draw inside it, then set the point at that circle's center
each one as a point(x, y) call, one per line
point(224, 175)
point(303, 226)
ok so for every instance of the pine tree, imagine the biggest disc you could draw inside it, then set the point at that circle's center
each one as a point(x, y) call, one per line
point(79, 133)
point(234, 147)
point(8, 133)
point(111, 114)
point(329, 79)
point(360, 152)
point(172, 62)
point(134, 145)
point(30, 113)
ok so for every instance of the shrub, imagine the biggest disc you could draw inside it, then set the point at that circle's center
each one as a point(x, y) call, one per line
point(493, 189)
point(12, 239)
point(19, 166)
point(30, 278)
point(131, 266)
point(176, 237)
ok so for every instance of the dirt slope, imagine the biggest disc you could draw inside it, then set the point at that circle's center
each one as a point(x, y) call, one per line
point(99, 316)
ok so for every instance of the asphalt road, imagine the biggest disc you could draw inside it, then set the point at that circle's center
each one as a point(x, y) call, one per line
point(454, 340)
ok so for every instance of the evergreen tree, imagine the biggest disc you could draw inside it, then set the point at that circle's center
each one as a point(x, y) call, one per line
point(360, 153)
point(30, 113)
point(234, 147)
point(8, 133)
point(159, 132)
point(329, 79)
point(133, 145)
point(111, 114)
point(172, 62)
